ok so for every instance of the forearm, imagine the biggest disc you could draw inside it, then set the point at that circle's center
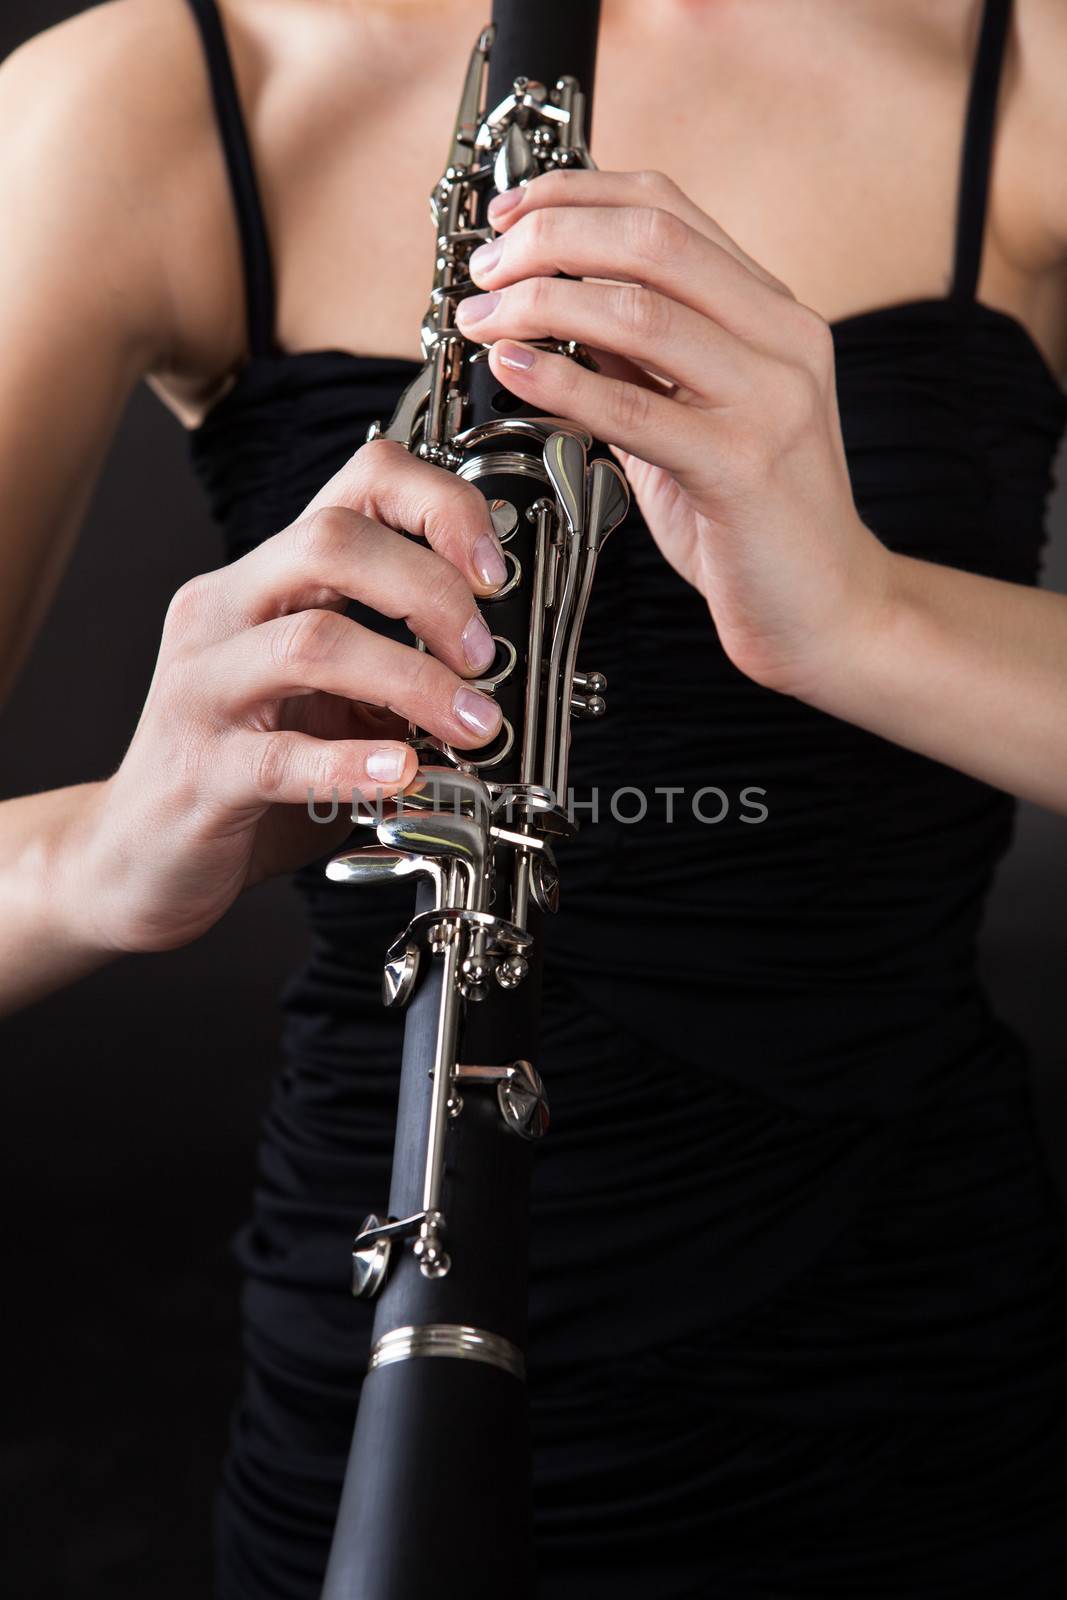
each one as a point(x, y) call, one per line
point(45, 937)
point(968, 670)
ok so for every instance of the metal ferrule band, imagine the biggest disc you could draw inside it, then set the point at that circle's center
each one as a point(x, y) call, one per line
point(449, 1339)
point(504, 463)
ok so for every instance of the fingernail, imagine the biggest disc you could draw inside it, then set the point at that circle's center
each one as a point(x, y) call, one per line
point(485, 257)
point(515, 355)
point(475, 307)
point(386, 765)
point(477, 642)
point(476, 711)
point(489, 560)
point(504, 203)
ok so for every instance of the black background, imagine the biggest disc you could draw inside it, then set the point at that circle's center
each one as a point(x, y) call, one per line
point(128, 1106)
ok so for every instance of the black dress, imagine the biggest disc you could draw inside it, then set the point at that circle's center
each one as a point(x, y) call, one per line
point(798, 1274)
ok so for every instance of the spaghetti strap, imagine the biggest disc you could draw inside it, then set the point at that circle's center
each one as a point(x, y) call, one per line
point(255, 242)
point(978, 147)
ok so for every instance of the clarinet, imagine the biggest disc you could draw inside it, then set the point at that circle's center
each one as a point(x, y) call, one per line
point(442, 1424)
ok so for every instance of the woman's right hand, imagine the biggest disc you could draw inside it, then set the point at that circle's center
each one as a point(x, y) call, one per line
point(265, 692)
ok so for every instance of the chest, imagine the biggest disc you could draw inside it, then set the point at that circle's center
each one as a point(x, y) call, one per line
point(828, 150)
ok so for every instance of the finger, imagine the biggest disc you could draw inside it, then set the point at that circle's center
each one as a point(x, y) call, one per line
point(645, 245)
point(334, 554)
point(645, 376)
point(578, 187)
point(323, 651)
point(386, 482)
point(378, 721)
point(291, 768)
point(628, 319)
point(635, 418)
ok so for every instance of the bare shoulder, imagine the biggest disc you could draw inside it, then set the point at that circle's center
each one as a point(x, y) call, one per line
point(1038, 79)
point(107, 150)
point(114, 36)
point(71, 97)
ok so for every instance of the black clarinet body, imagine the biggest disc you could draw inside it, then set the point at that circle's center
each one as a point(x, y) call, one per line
point(436, 1499)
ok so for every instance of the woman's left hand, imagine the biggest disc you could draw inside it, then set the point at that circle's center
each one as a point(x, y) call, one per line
point(716, 391)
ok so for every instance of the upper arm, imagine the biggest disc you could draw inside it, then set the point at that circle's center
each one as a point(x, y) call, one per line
point(83, 295)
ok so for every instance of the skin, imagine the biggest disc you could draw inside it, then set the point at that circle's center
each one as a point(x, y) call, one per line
point(734, 452)
point(716, 391)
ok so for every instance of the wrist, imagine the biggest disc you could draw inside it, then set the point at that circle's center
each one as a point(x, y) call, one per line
point(866, 621)
point(72, 880)
point(870, 637)
point(45, 941)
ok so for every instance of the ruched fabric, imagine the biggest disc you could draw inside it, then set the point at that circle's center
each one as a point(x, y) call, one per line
point(798, 1274)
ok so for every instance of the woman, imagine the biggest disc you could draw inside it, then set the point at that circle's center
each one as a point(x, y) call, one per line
point(773, 1072)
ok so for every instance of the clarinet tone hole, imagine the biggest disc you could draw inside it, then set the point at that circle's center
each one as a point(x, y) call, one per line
point(505, 404)
point(513, 580)
point(505, 519)
point(495, 752)
point(503, 664)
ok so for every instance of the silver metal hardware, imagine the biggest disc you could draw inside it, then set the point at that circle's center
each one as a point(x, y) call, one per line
point(609, 500)
point(372, 1251)
point(522, 1101)
point(544, 512)
point(449, 1339)
point(505, 463)
point(433, 1259)
point(428, 1249)
point(380, 864)
point(485, 845)
point(515, 161)
point(520, 1095)
point(399, 976)
point(370, 1261)
point(544, 882)
point(460, 843)
point(511, 582)
point(505, 519)
point(536, 428)
point(564, 460)
point(474, 761)
point(445, 789)
point(511, 655)
point(564, 457)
